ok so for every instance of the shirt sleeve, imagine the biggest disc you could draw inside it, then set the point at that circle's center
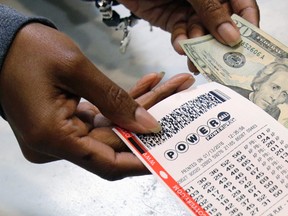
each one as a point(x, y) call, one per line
point(11, 21)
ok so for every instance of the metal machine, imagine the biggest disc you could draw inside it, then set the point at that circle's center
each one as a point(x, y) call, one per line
point(112, 19)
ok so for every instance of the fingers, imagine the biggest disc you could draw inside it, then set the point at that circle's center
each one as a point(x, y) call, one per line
point(105, 159)
point(148, 98)
point(79, 77)
point(82, 78)
point(69, 75)
point(217, 20)
point(179, 32)
point(100, 159)
point(177, 83)
point(247, 9)
point(145, 84)
point(87, 112)
point(192, 67)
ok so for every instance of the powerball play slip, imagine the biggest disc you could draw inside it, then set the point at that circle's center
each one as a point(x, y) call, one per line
point(217, 152)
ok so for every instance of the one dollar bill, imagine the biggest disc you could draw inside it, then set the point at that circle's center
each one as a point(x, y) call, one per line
point(257, 68)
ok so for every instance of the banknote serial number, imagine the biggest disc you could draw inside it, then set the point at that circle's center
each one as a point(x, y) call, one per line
point(252, 49)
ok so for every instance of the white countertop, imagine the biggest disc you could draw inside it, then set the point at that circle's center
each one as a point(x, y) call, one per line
point(63, 189)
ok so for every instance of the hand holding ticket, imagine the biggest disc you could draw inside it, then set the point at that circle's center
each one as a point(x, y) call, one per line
point(215, 154)
point(218, 152)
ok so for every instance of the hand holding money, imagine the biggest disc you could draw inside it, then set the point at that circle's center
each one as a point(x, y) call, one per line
point(193, 18)
point(257, 68)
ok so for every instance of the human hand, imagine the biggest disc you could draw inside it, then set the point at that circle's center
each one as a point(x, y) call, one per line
point(43, 78)
point(192, 18)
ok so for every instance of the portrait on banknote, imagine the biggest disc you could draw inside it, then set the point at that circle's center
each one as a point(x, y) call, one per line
point(257, 68)
point(269, 87)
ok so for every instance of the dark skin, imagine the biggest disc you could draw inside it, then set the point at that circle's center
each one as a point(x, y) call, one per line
point(45, 75)
point(41, 93)
point(193, 18)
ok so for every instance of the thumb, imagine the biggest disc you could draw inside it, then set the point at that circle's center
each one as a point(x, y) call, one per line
point(216, 19)
point(85, 80)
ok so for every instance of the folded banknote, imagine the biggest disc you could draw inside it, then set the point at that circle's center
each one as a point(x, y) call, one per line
point(257, 68)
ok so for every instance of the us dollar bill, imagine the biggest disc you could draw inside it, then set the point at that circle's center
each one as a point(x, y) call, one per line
point(257, 68)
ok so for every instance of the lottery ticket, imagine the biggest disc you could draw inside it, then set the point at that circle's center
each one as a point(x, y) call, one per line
point(217, 152)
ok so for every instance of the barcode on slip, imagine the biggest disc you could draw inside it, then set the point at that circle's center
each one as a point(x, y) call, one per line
point(182, 116)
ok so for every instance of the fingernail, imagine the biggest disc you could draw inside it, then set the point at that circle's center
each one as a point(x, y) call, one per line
point(146, 120)
point(161, 74)
point(229, 34)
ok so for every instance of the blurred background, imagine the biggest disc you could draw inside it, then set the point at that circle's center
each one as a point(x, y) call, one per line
point(61, 188)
